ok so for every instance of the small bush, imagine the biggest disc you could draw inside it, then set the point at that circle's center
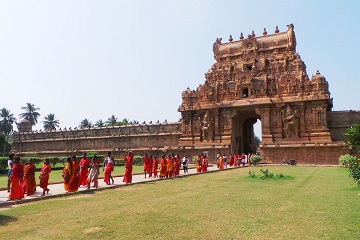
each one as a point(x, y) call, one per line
point(255, 159)
point(346, 159)
point(3, 162)
point(252, 174)
point(267, 174)
point(137, 160)
point(280, 175)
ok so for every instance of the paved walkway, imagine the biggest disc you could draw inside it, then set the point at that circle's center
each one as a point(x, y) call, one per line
point(58, 189)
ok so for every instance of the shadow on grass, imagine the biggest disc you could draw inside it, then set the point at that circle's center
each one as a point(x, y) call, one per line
point(4, 220)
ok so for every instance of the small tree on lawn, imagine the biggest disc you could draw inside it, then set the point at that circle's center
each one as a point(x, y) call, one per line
point(352, 135)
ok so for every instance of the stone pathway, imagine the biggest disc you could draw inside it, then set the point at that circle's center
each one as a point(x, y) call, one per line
point(58, 189)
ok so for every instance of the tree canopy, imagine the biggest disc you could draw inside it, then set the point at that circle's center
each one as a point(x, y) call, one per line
point(50, 122)
point(85, 123)
point(352, 136)
point(6, 122)
point(30, 113)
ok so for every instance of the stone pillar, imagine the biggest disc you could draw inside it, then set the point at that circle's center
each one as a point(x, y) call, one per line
point(264, 112)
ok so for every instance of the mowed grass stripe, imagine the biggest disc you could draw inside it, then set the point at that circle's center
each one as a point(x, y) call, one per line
point(315, 203)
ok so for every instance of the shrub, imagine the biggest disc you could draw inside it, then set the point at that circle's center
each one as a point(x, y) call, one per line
point(346, 159)
point(251, 174)
point(352, 136)
point(30, 154)
point(280, 175)
point(35, 160)
point(255, 159)
point(352, 163)
point(137, 160)
point(266, 174)
point(3, 162)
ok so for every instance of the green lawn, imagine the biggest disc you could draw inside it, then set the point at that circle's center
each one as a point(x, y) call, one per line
point(55, 175)
point(314, 203)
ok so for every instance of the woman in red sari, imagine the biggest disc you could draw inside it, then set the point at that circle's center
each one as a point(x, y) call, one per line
point(204, 163)
point(44, 176)
point(155, 167)
point(29, 183)
point(84, 170)
point(74, 178)
point(108, 167)
point(16, 177)
point(128, 167)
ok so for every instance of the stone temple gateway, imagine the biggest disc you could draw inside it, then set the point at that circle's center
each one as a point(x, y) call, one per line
point(253, 78)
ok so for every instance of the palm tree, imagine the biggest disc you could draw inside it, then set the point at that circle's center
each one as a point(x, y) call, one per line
point(112, 121)
point(6, 124)
point(124, 122)
point(30, 113)
point(50, 122)
point(85, 123)
point(99, 123)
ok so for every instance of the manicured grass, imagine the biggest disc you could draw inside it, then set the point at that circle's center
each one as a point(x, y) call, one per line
point(55, 175)
point(315, 203)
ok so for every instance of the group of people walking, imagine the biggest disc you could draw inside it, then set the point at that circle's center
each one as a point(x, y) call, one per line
point(85, 172)
point(234, 160)
point(21, 180)
point(167, 167)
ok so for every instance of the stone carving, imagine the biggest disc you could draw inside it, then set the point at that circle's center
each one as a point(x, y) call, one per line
point(207, 129)
point(291, 121)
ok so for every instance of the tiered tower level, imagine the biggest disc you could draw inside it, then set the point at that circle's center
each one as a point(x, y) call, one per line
point(261, 78)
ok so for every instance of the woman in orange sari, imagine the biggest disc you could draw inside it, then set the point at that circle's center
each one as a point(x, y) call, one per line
point(198, 164)
point(170, 166)
point(16, 177)
point(66, 173)
point(163, 167)
point(75, 177)
point(29, 183)
point(44, 176)
point(221, 162)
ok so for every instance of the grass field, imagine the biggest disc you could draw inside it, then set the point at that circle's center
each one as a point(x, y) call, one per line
point(314, 203)
point(55, 175)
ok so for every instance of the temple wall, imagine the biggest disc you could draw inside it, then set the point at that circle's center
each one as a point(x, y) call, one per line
point(145, 138)
point(339, 121)
point(327, 154)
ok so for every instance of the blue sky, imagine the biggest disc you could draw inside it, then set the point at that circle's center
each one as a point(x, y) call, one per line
point(91, 59)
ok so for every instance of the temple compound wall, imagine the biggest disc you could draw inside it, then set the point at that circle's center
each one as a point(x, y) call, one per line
point(253, 79)
point(145, 138)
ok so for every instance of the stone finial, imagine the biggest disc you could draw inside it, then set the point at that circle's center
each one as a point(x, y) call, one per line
point(277, 29)
point(253, 34)
point(230, 38)
point(241, 36)
point(264, 32)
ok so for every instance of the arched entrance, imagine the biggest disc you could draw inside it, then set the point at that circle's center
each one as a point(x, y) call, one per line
point(242, 137)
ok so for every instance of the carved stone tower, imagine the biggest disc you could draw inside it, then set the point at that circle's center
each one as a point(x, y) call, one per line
point(259, 78)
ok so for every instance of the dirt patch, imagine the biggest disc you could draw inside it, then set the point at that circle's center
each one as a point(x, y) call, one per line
point(73, 197)
point(9, 207)
point(92, 229)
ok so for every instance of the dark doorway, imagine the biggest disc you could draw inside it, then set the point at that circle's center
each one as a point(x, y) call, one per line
point(243, 132)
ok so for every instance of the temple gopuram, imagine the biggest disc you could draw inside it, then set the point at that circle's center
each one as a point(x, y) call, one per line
point(257, 78)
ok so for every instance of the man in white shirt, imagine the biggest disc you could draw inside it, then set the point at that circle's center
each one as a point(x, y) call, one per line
point(10, 163)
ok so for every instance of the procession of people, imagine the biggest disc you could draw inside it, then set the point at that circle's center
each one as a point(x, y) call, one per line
point(85, 173)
